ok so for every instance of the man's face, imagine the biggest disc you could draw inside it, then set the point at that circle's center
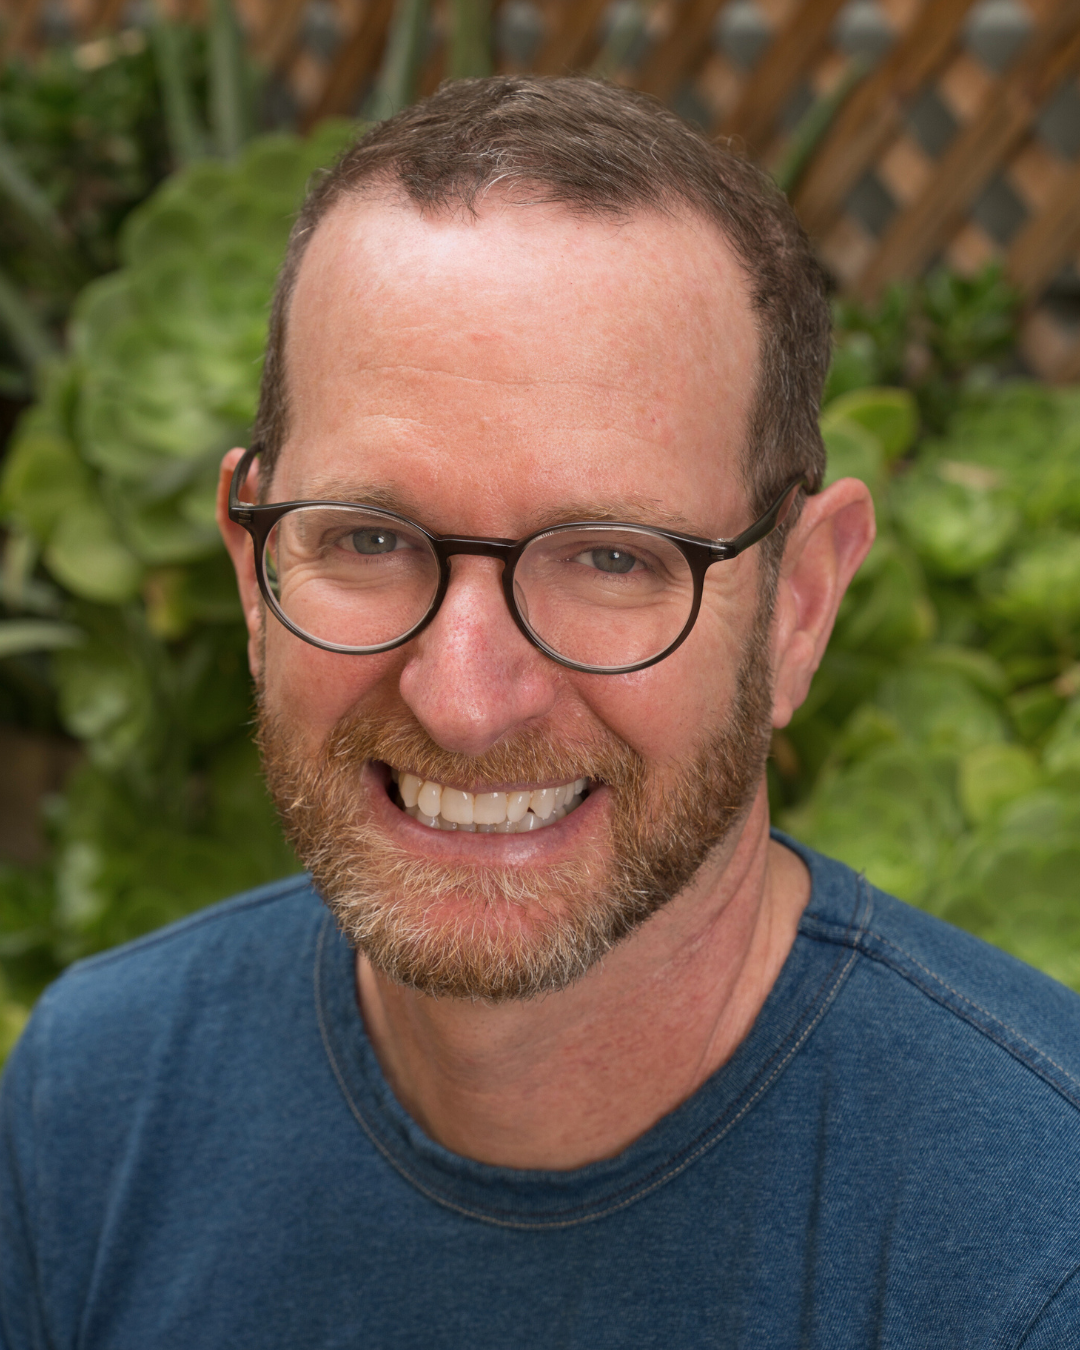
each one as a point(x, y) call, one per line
point(489, 376)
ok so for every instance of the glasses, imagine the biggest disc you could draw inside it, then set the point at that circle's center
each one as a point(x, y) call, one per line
point(597, 596)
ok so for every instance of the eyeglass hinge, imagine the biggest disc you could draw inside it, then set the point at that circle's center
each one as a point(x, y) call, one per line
point(242, 516)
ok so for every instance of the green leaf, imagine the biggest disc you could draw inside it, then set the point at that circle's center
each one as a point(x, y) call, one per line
point(815, 123)
point(86, 554)
point(854, 366)
point(41, 226)
point(29, 337)
point(1034, 711)
point(187, 137)
point(976, 667)
point(891, 415)
point(470, 40)
point(853, 452)
point(939, 709)
point(43, 478)
point(1061, 754)
point(1042, 584)
point(99, 692)
point(992, 776)
point(891, 815)
point(36, 635)
point(956, 522)
point(230, 111)
point(886, 610)
point(406, 43)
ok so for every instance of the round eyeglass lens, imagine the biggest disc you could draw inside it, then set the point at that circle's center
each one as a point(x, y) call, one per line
point(606, 596)
point(350, 576)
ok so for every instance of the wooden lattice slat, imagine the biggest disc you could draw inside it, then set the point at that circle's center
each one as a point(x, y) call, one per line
point(680, 50)
point(19, 24)
point(1049, 238)
point(354, 63)
point(278, 33)
point(790, 55)
point(572, 40)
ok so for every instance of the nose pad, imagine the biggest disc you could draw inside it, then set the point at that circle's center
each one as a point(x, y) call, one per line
point(521, 601)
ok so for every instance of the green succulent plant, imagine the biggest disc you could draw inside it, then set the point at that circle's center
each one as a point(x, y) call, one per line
point(939, 750)
point(108, 497)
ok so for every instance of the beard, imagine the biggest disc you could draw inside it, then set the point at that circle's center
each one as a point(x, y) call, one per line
point(501, 932)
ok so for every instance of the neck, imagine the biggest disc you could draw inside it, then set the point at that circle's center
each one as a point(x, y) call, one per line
point(565, 1080)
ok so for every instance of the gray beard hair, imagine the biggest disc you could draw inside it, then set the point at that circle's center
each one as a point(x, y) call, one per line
point(495, 933)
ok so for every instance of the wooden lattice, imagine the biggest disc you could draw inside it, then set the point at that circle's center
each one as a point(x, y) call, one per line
point(956, 135)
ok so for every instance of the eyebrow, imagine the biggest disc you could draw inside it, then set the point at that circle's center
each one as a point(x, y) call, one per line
point(635, 509)
point(361, 494)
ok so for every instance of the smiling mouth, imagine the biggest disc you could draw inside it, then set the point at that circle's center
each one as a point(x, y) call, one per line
point(515, 812)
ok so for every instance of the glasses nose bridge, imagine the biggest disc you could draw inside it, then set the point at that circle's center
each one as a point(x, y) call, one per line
point(449, 546)
point(501, 550)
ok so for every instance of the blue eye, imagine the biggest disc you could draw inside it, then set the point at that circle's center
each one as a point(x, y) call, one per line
point(615, 560)
point(373, 540)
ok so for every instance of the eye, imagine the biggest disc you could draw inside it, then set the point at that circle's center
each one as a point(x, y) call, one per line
point(372, 540)
point(615, 560)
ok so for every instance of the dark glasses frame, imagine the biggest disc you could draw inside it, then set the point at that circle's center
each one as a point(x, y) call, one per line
point(700, 554)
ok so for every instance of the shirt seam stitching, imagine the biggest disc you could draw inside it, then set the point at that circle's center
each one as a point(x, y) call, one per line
point(985, 1011)
point(985, 1031)
point(1069, 1275)
point(873, 934)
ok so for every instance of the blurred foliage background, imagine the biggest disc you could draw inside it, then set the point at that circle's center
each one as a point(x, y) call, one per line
point(145, 211)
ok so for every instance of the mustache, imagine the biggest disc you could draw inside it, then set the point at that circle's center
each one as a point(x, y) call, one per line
point(395, 737)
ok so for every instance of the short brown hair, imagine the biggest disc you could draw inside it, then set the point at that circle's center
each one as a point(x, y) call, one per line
point(601, 149)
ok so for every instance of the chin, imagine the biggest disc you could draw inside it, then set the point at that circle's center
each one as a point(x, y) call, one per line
point(473, 932)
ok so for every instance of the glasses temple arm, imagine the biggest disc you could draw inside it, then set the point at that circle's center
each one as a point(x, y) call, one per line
point(238, 508)
point(774, 516)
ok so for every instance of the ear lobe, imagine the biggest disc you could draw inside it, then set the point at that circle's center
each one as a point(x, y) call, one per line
point(238, 542)
point(824, 552)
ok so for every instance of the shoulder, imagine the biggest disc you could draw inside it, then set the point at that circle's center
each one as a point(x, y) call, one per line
point(947, 985)
point(214, 967)
point(142, 1073)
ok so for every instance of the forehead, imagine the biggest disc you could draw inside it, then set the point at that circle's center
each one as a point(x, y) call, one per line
point(508, 362)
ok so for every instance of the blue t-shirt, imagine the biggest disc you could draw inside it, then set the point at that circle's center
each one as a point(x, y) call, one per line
point(199, 1150)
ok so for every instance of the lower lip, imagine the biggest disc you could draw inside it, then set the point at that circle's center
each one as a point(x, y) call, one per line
point(543, 845)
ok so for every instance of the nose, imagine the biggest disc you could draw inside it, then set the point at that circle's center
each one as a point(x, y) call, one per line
point(472, 676)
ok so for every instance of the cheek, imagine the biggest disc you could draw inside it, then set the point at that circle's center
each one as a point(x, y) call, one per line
point(313, 688)
point(665, 711)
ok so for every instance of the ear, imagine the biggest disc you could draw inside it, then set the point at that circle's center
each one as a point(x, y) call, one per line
point(832, 537)
point(238, 542)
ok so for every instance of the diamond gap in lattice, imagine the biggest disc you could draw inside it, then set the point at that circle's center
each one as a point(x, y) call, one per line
point(995, 32)
point(742, 32)
point(1058, 122)
point(931, 122)
point(871, 203)
point(862, 29)
point(999, 211)
point(519, 31)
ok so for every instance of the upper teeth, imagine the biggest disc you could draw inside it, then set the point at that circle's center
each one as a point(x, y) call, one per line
point(487, 812)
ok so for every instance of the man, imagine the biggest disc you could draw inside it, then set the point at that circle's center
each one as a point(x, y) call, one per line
point(533, 554)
